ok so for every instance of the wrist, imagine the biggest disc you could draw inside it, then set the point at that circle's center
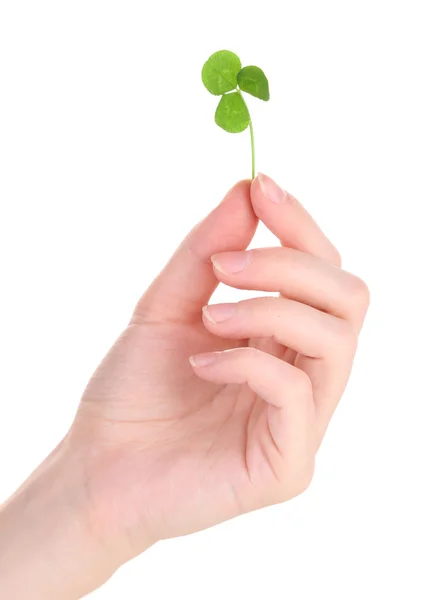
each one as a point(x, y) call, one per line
point(48, 546)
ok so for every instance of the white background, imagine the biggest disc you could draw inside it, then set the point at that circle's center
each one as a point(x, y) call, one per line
point(109, 155)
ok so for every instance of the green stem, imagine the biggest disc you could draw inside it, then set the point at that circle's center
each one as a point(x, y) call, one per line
point(253, 151)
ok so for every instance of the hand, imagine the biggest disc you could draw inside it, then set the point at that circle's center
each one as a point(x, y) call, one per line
point(196, 416)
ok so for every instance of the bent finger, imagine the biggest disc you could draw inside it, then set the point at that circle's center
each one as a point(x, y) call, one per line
point(306, 330)
point(286, 390)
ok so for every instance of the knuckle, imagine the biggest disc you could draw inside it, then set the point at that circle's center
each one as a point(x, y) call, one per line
point(358, 292)
point(303, 383)
point(345, 332)
point(346, 336)
point(336, 258)
point(303, 477)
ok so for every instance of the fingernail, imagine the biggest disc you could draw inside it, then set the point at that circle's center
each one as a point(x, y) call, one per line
point(202, 360)
point(218, 313)
point(232, 262)
point(271, 190)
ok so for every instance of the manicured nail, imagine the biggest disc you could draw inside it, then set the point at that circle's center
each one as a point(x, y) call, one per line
point(230, 263)
point(218, 313)
point(202, 360)
point(271, 190)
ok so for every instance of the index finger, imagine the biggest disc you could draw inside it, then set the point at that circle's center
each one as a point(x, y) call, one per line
point(289, 221)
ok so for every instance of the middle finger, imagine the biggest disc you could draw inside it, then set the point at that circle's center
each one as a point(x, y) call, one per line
point(296, 275)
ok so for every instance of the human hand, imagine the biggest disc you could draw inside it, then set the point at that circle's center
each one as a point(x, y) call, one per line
point(164, 446)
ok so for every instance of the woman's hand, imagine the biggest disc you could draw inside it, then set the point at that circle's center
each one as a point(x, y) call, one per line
point(198, 415)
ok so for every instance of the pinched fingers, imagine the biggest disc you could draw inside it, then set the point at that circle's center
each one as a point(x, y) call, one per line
point(287, 218)
point(318, 315)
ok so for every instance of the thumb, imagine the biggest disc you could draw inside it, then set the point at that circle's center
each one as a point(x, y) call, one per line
point(186, 283)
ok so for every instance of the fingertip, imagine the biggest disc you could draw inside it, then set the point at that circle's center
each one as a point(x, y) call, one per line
point(231, 263)
point(192, 361)
point(236, 210)
point(207, 318)
point(255, 187)
point(219, 272)
point(216, 265)
point(258, 201)
point(258, 182)
point(202, 360)
point(266, 189)
point(240, 187)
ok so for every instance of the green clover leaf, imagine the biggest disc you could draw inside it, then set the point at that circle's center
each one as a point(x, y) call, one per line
point(232, 113)
point(253, 81)
point(220, 72)
point(223, 75)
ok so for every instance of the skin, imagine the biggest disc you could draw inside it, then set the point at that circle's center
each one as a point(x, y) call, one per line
point(198, 413)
